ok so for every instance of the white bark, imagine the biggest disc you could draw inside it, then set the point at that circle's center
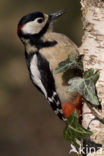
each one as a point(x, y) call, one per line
point(93, 49)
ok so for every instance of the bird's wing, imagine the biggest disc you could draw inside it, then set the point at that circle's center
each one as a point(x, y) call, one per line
point(42, 77)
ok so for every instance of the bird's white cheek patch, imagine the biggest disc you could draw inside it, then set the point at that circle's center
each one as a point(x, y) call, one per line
point(32, 28)
point(35, 74)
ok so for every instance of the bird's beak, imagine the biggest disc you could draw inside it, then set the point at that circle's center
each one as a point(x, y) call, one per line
point(56, 14)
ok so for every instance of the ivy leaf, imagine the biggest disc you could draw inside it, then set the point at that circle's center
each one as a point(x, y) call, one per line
point(86, 86)
point(72, 62)
point(90, 73)
point(74, 130)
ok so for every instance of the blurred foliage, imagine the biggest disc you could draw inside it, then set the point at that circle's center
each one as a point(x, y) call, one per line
point(22, 108)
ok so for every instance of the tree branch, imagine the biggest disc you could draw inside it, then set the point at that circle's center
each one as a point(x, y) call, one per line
point(93, 49)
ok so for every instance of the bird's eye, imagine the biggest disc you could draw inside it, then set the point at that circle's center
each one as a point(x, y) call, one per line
point(40, 20)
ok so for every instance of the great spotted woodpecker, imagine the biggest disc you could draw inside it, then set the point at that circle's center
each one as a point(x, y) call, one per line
point(44, 50)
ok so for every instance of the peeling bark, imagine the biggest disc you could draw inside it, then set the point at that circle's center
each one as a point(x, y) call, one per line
point(93, 49)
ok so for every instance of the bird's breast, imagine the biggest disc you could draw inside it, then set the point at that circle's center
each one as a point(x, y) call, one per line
point(56, 54)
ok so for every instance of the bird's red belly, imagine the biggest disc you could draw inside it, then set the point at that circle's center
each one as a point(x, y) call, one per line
point(68, 108)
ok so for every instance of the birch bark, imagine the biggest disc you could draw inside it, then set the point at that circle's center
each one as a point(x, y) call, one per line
point(93, 49)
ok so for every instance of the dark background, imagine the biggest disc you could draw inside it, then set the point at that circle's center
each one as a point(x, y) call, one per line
point(28, 126)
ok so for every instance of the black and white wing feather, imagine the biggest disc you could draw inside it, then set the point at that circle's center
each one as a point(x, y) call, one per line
point(42, 78)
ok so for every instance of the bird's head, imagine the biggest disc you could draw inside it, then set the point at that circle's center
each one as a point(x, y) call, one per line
point(36, 24)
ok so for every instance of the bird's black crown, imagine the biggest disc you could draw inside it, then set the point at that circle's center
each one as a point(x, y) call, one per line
point(30, 17)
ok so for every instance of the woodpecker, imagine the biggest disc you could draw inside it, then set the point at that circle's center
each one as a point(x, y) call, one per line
point(44, 50)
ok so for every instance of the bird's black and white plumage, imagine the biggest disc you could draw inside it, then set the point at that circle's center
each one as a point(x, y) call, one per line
point(44, 50)
point(42, 78)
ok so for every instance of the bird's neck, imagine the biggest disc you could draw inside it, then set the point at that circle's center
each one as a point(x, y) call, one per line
point(30, 48)
point(35, 44)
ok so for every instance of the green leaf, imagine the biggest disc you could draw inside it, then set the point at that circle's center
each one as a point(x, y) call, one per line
point(90, 74)
point(74, 130)
point(72, 62)
point(86, 86)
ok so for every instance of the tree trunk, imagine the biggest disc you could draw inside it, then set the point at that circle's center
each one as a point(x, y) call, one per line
point(93, 49)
